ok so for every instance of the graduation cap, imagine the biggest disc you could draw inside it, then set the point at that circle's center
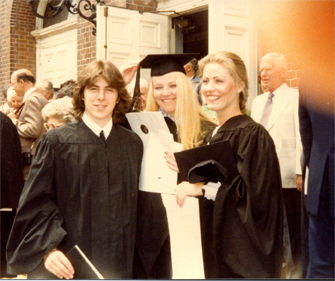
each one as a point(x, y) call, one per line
point(214, 162)
point(160, 65)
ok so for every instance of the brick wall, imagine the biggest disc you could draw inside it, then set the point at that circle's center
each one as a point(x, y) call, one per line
point(274, 35)
point(86, 48)
point(17, 44)
point(297, 29)
point(4, 44)
point(142, 5)
point(279, 31)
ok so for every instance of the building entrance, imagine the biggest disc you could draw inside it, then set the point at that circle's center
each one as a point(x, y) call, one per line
point(192, 33)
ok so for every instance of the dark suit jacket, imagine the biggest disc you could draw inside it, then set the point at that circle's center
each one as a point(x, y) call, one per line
point(11, 164)
point(316, 115)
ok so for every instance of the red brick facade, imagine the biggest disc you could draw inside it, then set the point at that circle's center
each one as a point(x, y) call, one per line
point(142, 5)
point(277, 31)
point(297, 29)
point(18, 45)
point(86, 43)
point(4, 43)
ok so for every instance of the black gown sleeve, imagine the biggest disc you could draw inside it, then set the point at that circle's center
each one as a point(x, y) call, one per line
point(37, 228)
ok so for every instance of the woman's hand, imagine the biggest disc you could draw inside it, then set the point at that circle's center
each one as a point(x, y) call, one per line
point(171, 161)
point(185, 189)
point(58, 264)
point(128, 70)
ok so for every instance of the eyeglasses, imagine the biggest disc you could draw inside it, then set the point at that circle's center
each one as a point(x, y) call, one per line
point(50, 126)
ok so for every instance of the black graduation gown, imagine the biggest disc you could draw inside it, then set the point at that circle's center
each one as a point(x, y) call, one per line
point(242, 228)
point(11, 181)
point(80, 190)
point(11, 163)
point(153, 252)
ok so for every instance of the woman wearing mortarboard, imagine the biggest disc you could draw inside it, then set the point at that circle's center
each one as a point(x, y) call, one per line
point(171, 93)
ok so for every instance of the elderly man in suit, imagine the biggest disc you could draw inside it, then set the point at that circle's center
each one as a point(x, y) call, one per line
point(277, 110)
point(28, 120)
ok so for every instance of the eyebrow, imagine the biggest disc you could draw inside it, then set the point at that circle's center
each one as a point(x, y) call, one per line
point(96, 85)
point(222, 76)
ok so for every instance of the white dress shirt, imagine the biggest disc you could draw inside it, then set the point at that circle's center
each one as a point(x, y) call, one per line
point(96, 128)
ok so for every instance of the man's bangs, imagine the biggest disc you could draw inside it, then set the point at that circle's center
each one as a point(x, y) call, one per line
point(91, 80)
point(112, 81)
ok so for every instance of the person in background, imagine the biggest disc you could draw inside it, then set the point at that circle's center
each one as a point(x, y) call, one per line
point(277, 111)
point(171, 93)
point(144, 89)
point(16, 101)
point(11, 182)
point(5, 108)
point(45, 87)
point(28, 120)
point(242, 224)
point(58, 113)
point(94, 203)
point(192, 72)
point(317, 123)
point(66, 89)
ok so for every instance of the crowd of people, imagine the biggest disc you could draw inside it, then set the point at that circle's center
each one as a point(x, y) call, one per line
point(77, 167)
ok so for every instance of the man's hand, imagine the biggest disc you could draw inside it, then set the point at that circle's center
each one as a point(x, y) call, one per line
point(299, 182)
point(58, 264)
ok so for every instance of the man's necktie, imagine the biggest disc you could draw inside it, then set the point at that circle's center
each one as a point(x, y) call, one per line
point(267, 110)
point(102, 136)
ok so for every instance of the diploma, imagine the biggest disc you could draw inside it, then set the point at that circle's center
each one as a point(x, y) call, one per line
point(155, 175)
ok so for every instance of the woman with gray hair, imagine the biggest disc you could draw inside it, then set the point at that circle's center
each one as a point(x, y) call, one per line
point(58, 112)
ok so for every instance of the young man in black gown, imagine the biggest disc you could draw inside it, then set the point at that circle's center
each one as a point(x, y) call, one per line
point(82, 187)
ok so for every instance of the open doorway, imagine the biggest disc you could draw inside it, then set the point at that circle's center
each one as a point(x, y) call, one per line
point(192, 33)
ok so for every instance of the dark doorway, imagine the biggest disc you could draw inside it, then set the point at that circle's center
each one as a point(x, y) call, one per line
point(192, 33)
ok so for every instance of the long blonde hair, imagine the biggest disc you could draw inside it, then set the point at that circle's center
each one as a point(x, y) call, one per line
point(189, 116)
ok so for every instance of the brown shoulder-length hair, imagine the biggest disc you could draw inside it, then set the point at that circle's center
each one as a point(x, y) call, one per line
point(90, 74)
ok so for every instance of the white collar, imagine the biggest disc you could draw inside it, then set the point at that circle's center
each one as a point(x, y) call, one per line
point(26, 95)
point(95, 127)
point(165, 114)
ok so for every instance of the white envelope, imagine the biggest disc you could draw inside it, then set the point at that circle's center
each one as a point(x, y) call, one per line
point(151, 127)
